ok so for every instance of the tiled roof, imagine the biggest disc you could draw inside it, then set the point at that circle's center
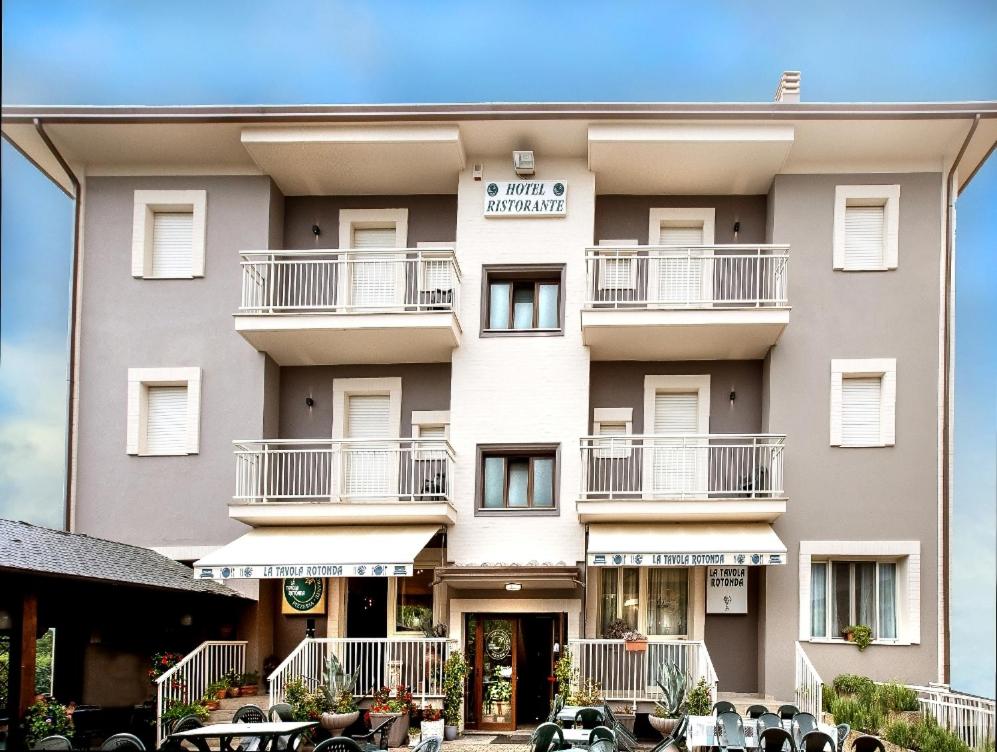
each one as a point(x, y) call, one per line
point(41, 550)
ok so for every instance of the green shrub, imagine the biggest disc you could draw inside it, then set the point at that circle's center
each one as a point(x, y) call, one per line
point(924, 735)
point(698, 700)
point(45, 717)
point(894, 697)
point(829, 696)
point(852, 684)
point(858, 714)
point(900, 732)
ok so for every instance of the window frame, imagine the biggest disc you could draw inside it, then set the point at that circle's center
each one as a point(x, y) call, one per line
point(852, 610)
point(506, 451)
point(537, 274)
point(139, 381)
point(613, 416)
point(359, 219)
point(643, 599)
point(394, 593)
point(871, 195)
point(886, 369)
point(147, 203)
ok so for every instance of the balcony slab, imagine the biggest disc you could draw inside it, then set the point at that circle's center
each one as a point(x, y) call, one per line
point(343, 513)
point(681, 510)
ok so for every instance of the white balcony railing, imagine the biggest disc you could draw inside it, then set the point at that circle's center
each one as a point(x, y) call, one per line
point(330, 470)
point(415, 662)
point(809, 694)
point(695, 466)
point(396, 280)
point(970, 717)
point(715, 276)
point(626, 675)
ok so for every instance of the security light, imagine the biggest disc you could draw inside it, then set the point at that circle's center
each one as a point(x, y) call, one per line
point(523, 162)
point(513, 586)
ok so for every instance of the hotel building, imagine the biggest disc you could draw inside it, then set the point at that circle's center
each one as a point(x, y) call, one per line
point(524, 371)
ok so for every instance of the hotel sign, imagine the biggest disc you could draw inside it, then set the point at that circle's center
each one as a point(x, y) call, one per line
point(727, 590)
point(287, 571)
point(526, 198)
point(684, 559)
point(304, 595)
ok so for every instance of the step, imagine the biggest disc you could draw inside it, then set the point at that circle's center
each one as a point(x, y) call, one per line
point(231, 704)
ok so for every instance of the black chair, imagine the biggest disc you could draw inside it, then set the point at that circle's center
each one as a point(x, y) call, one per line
point(186, 723)
point(776, 739)
point(769, 720)
point(817, 741)
point(786, 712)
point(723, 707)
point(601, 732)
point(589, 718)
point(866, 743)
point(803, 724)
point(843, 730)
point(603, 745)
point(249, 714)
point(280, 712)
point(376, 738)
point(122, 742)
point(54, 742)
point(338, 744)
point(757, 711)
point(730, 731)
point(432, 744)
point(548, 736)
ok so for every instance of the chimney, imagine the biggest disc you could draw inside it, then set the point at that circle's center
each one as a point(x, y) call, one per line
point(788, 90)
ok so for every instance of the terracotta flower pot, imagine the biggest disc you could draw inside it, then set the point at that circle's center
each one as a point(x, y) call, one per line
point(337, 723)
point(213, 704)
point(636, 646)
point(248, 690)
point(221, 694)
point(663, 726)
point(398, 732)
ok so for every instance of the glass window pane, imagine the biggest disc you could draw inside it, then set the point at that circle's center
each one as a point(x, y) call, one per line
point(818, 600)
point(414, 607)
point(498, 305)
point(519, 478)
point(547, 306)
point(522, 306)
point(608, 586)
point(543, 482)
point(631, 596)
point(667, 601)
point(494, 482)
point(841, 589)
point(888, 601)
point(865, 594)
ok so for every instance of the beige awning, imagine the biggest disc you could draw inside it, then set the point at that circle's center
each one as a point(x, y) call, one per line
point(685, 545)
point(348, 551)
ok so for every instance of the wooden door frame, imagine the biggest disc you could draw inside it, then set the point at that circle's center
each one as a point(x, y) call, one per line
point(479, 647)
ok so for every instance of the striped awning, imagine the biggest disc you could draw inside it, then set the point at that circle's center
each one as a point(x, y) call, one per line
point(685, 545)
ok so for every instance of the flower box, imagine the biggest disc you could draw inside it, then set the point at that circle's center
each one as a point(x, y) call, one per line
point(635, 646)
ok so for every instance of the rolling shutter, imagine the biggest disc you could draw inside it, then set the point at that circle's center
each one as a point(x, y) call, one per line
point(680, 280)
point(374, 237)
point(861, 399)
point(368, 464)
point(376, 281)
point(676, 412)
point(368, 416)
point(166, 420)
point(864, 236)
point(676, 462)
point(172, 244)
point(681, 235)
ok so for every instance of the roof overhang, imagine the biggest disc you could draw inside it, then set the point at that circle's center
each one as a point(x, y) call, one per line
point(532, 577)
point(684, 545)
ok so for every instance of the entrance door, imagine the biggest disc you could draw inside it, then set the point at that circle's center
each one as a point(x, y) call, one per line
point(367, 607)
point(493, 640)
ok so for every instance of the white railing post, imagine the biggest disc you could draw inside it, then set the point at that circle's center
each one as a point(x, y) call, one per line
point(969, 717)
point(809, 686)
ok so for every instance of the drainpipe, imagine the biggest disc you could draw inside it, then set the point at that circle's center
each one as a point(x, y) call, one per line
point(73, 298)
point(948, 304)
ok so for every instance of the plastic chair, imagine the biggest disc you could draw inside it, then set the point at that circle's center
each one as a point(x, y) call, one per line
point(601, 732)
point(866, 743)
point(603, 745)
point(432, 744)
point(249, 714)
point(122, 742)
point(624, 738)
point(548, 736)
point(776, 739)
point(730, 731)
point(843, 730)
point(817, 741)
point(786, 712)
point(769, 720)
point(338, 744)
point(756, 711)
point(186, 723)
point(280, 712)
point(803, 724)
point(54, 742)
point(723, 707)
point(367, 741)
point(589, 718)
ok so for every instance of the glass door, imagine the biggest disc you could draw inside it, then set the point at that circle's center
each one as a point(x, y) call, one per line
point(493, 701)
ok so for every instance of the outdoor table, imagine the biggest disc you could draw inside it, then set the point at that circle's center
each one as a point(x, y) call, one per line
point(576, 737)
point(267, 733)
point(702, 731)
point(567, 713)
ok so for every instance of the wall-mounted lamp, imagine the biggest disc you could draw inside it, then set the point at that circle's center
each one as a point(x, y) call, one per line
point(733, 396)
point(557, 648)
point(310, 402)
point(513, 586)
point(477, 172)
point(523, 163)
point(737, 227)
point(186, 620)
point(316, 230)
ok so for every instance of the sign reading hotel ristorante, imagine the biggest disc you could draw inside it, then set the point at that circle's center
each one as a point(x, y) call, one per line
point(285, 571)
point(526, 198)
point(684, 559)
point(304, 595)
point(727, 590)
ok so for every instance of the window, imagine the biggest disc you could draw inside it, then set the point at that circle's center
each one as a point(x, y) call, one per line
point(866, 227)
point(683, 273)
point(368, 409)
point(613, 422)
point(163, 411)
point(168, 234)
point(844, 593)
point(522, 300)
point(863, 402)
point(619, 596)
point(414, 602)
point(373, 228)
point(517, 479)
point(434, 426)
point(667, 601)
point(663, 591)
point(374, 280)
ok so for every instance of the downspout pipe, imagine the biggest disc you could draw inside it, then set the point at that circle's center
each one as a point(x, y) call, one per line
point(73, 300)
point(948, 312)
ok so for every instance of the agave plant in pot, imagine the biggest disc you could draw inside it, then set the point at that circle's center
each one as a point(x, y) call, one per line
point(672, 682)
point(337, 688)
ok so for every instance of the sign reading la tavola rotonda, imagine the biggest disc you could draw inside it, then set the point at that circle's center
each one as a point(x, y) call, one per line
point(526, 198)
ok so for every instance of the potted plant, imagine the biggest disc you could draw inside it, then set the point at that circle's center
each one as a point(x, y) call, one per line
point(566, 675)
point(413, 736)
point(672, 683)
point(634, 641)
point(454, 675)
point(432, 723)
point(162, 662)
point(214, 693)
point(340, 706)
point(698, 700)
point(232, 679)
point(45, 717)
point(176, 710)
point(249, 684)
point(384, 706)
point(860, 634)
point(626, 715)
point(589, 693)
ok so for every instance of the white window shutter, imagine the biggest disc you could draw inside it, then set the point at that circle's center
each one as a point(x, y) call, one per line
point(172, 244)
point(374, 237)
point(861, 411)
point(166, 420)
point(865, 237)
point(680, 280)
point(432, 432)
point(888, 405)
point(436, 274)
point(835, 408)
point(134, 419)
point(684, 236)
point(676, 412)
point(368, 465)
point(911, 613)
point(368, 416)
point(194, 411)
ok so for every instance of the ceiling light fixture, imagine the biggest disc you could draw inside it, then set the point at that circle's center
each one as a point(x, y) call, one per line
point(513, 586)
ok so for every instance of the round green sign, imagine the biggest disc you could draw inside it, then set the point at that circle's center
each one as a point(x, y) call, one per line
point(303, 594)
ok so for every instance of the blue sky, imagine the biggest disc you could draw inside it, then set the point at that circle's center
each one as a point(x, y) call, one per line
point(280, 52)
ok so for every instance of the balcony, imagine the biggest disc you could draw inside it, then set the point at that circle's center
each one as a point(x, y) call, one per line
point(685, 303)
point(343, 482)
point(395, 305)
point(682, 478)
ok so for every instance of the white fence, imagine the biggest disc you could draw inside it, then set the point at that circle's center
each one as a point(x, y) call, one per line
point(415, 662)
point(631, 675)
point(809, 686)
point(682, 466)
point(345, 469)
point(970, 717)
point(189, 679)
point(723, 276)
point(331, 281)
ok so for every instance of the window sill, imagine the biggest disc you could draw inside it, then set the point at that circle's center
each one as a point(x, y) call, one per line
point(525, 512)
point(522, 332)
point(164, 454)
point(861, 446)
point(836, 641)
